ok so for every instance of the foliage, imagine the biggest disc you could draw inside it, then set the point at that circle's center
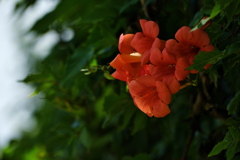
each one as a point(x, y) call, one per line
point(93, 117)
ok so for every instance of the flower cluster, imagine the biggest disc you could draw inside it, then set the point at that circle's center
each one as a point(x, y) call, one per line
point(154, 69)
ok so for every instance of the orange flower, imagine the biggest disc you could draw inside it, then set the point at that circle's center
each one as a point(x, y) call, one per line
point(150, 96)
point(128, 53)
point(144, 40)
point(153, 69)
point(189, 43)
point(127, 71)
point(128, 63)
point(166, 68)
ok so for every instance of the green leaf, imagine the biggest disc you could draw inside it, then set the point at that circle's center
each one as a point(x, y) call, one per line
point(34, 93)
point(31, 78)
point(231, 11)
point(140, 122)
point(115, 110)
point(78, 61)
point(234, 104)
point(108, 75)
point(231, 150)
point(204, 58)
point(233, 48)
point(31, 155)
point(223, 3)
point(231, 122)
point(234, 133)
point(215, 11)
point(197, 17)
point(230, 141)
point(127, 5)
point(219, 147)
point(85, 138)
point(128, 114)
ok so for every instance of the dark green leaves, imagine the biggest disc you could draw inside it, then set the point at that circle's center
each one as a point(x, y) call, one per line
point(87, 116)
point(78, 61)
point(204, 58)
point(231, 141)
point(219, 147)
point(231, 11)
point(215, 56)
point(128, 4)
point(85, 138)
point(215, 11)
point(234, 104)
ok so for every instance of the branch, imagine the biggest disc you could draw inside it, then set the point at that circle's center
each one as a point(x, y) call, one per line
point(144, 7)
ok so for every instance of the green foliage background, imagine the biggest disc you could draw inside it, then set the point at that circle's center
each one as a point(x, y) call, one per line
point(91, 117)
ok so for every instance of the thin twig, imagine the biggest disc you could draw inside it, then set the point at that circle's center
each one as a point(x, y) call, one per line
point(184, 157)
point(145, 9)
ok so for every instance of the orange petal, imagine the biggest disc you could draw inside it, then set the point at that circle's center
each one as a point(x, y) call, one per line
point(163, 92)
point(119, 76)
point(124, 43)
point(193, 71)
point(143, 93)
point(160, 109)
point(155, 56)
point(131, 58)
point(200, 38)
point(168, 58)
point(150, 28)
point(146, 96)
point(197, 37)
point(151, 104)
point(140, 86)
point(162, 44)
point(117, 62)
point(144, 105)
point(147, 81)
point(141, 43)
point(173, 47)
point(157, 43)
point(180, 70)
point(172, 83)
point(145, 57)
point(183, 35)
point(208, 48)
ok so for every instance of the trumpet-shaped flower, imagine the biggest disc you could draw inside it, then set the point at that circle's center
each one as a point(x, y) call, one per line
point(165, 67)
point(128, 53)
point(155, 69)
point(189, 43)
point(143, 41)
point(127, 71)
point(150, 96)
point(128, 63)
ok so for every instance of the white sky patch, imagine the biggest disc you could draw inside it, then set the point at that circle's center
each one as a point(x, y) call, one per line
point(33, 13)
point(43, 44)
point(15, 106)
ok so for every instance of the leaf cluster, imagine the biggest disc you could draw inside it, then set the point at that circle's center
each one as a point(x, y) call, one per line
point(86, 115)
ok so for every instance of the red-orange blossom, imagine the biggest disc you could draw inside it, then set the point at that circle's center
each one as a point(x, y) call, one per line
point(154, 69)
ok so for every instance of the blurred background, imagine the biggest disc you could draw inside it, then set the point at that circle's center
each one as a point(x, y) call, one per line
point(52, 110)
point(16, 105)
